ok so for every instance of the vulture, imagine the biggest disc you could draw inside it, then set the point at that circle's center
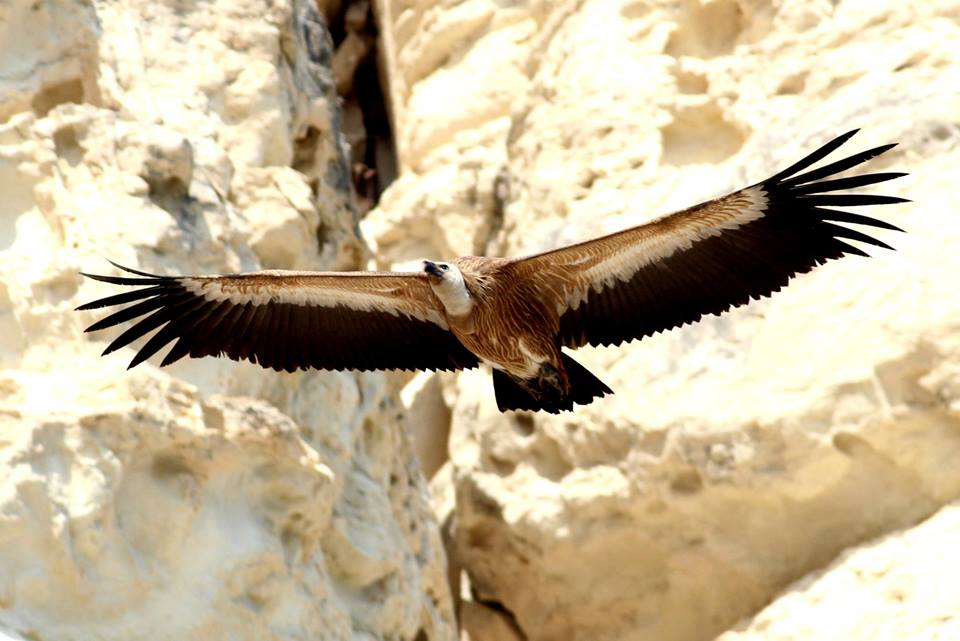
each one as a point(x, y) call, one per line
point(515, 314)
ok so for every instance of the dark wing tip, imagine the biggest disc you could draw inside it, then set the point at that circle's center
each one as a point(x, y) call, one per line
point(149, 285)
point(847, 248)
point(109, 349)
point(811, 191)
point(852, 200)
point(171, 357)
point(856, 219)
point(842, 139)
point(138, 358)
point(839, 231)
point(822, 152)
point(790, 180)
point(123, 280)
point(135, 271)
point(148, 278)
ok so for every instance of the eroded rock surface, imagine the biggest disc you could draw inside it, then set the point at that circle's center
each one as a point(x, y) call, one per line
point(209, 500)
point(740, 453)
point(899, 587)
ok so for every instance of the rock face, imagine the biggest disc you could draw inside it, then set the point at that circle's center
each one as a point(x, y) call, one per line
point(740, 453)
point(209, 500)
point(899, 588)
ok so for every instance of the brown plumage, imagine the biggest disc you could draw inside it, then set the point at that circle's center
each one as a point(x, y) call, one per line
point(515, 314)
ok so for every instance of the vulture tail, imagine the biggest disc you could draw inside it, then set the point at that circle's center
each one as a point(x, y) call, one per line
point(584, 386)
point(511, 395)
point(515, 395)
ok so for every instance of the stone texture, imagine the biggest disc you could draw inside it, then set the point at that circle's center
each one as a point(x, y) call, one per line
point(899, 588)
point(209, 500)
point(741, 453)
point(482, 623)
point(429, 415)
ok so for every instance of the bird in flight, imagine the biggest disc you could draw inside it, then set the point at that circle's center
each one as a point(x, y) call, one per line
point(515, 314)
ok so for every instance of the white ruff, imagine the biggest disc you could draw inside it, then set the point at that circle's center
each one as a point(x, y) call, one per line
point(452, 292)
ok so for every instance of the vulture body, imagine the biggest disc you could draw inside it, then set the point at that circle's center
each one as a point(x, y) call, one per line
point(514, 314)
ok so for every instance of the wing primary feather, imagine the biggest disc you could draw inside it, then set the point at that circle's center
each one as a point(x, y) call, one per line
point(125, 297)
point(137, 271)
point(848, 248)
point(853, 200)
point(180, 349)
point(153, 321)
point(189, 341)
point(819, 154)
point(156, 343)
point(856, 219)
point(123, 280)
point(186, 329)
point(139, 309)
point(851, 182)
point(839, 231)
point(836, 167)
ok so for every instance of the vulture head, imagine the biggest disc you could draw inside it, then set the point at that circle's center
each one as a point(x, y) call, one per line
point(447, 283)
point(435, 270)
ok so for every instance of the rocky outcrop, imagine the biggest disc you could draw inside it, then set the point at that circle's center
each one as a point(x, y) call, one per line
point(209, 500)
point(743, 452)
point(895, 588)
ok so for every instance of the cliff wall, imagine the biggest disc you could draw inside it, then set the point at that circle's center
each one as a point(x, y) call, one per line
point(741, 453)
point(211, 499)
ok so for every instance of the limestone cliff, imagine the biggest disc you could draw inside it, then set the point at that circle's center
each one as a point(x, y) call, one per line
point(740, 453)
point(210, 500)
point(757, 476)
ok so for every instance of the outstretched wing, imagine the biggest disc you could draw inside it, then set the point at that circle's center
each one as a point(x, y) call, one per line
point(710, 257)
point(287, 320)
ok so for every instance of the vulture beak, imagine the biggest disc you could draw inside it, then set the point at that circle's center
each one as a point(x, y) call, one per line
point(432, 269)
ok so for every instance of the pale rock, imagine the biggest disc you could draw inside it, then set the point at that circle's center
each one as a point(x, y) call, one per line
point(740, 453)
point(482, 623)
point(450, 210)
point(277, 205)
point(48, 55)
point(443, 502)
point(898, 588)
point(210, 499)
point(161, 157)
point(429, 416)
